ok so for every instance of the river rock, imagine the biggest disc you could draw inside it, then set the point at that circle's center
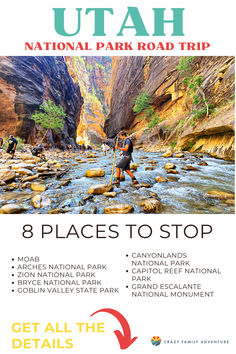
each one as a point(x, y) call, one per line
point(24, 172)
point(153, 194)
point(189, 168)
point(95, 172)
point(37, 187)
point(65, 183)
point(148, 168)
point(14, 185)
point(215, 194)
point(119, 209)
point(122, 176)
point(19, 166)
point(7, 176)
point(89, 210)
point(172, 171)
point(25, 185)
point(100, 189)
point(11, 209)
point(40, 201)
point(167, 154)
point(152, 162)
point(26, 157)
point(110, 194)
point(30, 178)
point(134, 166)
point(179, 155)
point(142, 185)
point(203, 163)
point(230, 201)
point(30, 162)
point(58, 211)
point(43, 168)
point(152, 205)
point(172, 179)
point(160, 179)
point(2, 183)
point(169, 166)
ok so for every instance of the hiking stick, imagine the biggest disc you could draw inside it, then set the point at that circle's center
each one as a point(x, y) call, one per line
point(114, 160)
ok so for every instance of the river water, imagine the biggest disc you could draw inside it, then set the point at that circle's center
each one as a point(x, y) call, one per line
point(184, 193)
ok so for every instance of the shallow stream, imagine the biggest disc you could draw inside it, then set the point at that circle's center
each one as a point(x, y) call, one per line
point(183, 193)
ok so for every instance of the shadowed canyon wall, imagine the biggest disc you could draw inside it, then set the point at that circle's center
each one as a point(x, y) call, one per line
point(159, 78)
point(25, 82)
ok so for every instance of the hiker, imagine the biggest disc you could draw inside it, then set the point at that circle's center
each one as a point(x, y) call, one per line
point(1, 146)
point(69, 148)
point(38, 151)
point(124, 163)
point(104, 148)
point(11, 149)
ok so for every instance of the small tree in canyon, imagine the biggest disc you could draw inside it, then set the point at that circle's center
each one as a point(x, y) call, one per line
point(194, 87)
point(50, 117)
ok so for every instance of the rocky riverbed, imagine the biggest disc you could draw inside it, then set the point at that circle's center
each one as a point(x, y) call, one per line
point(76, 183)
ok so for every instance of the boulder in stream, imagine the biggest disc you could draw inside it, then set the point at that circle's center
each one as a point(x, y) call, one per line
point(160, 179)
point(203, 163)
point(110, 194)
point(179, 155)
point(40, 201)
point(172, 171)
point(151, 205)
point(119, 209)
point(11, 209)
point(142, 185)
point(37, 187)
point(169, 166)
point(216, 194)
point(167, 154)
point(122, 176)
point(134, 166)
point(95, 172)
point(7, 176)
point(189, 168)
point(100, 189)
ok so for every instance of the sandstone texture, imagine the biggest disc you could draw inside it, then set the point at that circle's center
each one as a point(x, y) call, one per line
point(25, 82)
point(159, 78)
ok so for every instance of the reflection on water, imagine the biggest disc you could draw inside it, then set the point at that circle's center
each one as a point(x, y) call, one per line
point(184, 194)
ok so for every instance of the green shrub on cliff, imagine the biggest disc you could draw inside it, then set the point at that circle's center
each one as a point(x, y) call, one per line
point(142, 103)
point(194, 87)
point(50, 117)
point(154, 122)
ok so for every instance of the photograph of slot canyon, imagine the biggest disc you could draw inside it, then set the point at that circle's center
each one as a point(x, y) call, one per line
point(117, 135)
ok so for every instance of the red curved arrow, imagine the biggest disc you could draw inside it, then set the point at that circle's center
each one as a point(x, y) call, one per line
point(124, 339)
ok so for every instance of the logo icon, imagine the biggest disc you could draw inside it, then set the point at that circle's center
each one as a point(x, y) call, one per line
point(156, 340)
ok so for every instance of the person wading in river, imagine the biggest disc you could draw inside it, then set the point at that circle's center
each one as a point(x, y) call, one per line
point(11, 149)
point(124, 163)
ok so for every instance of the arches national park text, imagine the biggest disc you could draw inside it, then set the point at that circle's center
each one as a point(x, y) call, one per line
point(113, 231)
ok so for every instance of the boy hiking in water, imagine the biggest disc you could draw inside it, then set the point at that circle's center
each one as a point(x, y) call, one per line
point(124, 163)
point(11, 149)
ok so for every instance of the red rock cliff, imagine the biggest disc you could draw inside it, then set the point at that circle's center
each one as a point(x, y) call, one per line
point(25, 82)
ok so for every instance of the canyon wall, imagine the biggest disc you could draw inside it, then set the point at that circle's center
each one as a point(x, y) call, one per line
point(25, 82)
point(159, 78)
point(93, 76)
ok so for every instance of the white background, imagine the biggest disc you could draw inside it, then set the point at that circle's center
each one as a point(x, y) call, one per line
point(211, 318)
point(204, 21)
